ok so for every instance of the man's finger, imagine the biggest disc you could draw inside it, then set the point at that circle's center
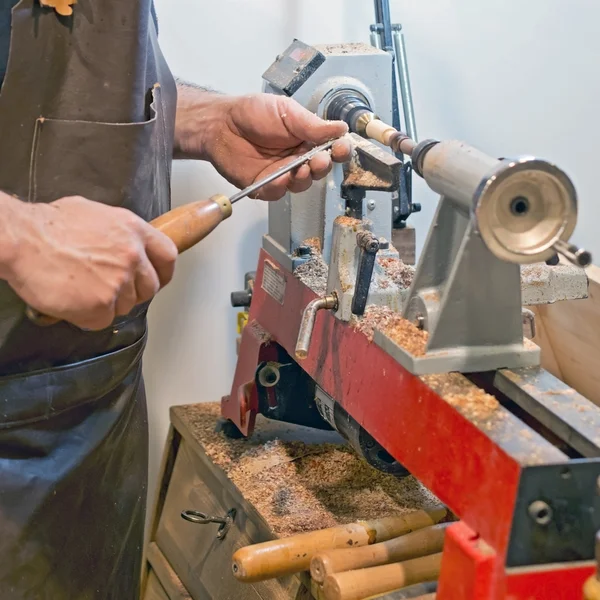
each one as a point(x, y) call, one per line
point(341, 151)
point(274, 190)
point(301, 180)
point(127, 298)
point(320, 165)
point(162, 253)
point(147, 282)
point(306, 126)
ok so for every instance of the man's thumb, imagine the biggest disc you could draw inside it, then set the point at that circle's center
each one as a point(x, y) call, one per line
point(306, 126)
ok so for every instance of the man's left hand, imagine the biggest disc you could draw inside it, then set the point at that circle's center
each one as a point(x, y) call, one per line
point(248, 137)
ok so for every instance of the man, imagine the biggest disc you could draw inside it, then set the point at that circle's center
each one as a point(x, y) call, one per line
point(90, 118)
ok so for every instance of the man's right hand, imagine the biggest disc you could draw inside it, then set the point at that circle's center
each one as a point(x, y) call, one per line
point(82, 261)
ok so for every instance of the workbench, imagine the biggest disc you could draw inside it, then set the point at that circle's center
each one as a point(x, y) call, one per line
point(286, 479)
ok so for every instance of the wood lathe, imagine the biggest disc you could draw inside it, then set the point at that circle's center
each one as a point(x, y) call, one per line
point(437, 371)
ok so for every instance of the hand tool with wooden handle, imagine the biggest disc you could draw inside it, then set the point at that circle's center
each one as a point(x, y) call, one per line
point(366, 583)
point(412, 545)
point(189, 224)
point(285, 556)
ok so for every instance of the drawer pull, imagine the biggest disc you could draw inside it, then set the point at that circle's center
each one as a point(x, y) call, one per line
point(199, 518)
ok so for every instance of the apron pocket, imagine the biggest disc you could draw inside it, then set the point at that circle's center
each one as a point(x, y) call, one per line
point(38, 395)
point(119, 164)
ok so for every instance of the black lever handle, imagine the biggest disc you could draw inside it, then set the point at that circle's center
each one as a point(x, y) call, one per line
point(369, 246)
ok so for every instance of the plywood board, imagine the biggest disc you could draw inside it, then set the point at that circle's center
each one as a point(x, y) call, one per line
point(569, 335)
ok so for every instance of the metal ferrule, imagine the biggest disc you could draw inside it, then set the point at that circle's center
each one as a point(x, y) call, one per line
point(418, 155)
point(308, 322)
point(352, 108)
point(360, 120)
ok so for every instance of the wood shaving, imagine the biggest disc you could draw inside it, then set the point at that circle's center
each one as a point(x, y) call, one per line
point(535, 275)
point(391, 323)
point(347, 48)
point(360, 178)
point(313, 242)
point(470, 400)
point(306, 485)
point(399, 272)
point(343, 220)
point(313, 273)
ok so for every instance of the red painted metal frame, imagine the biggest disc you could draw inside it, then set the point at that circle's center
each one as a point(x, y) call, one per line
point(466, 470)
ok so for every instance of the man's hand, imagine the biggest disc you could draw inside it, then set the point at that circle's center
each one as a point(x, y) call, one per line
point(248, 137)
point(81, 261)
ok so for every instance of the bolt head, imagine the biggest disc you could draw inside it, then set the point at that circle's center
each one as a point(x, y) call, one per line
point(540, 512)
point(371, 204)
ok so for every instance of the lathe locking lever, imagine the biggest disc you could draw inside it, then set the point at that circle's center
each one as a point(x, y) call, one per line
point(369, 246)
point(308, 322)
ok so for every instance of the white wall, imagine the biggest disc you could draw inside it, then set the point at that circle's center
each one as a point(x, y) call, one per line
point(510, 77)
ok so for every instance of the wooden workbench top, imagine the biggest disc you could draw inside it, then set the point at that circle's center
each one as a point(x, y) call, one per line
point(297, 478)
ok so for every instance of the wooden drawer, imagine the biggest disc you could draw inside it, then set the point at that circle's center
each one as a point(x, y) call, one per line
point(202, 561)
point(154, 590)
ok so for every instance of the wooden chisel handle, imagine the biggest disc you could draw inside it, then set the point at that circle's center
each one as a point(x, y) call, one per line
point(366, 583)
point(186, 226)
point(191, 223)
point(285, 556)
point(412, 545)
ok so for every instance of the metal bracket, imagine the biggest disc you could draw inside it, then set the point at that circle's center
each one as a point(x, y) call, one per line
point(556, 515)
point(371, 169)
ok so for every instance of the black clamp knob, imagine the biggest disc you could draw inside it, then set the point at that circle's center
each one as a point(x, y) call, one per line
point(241, 298)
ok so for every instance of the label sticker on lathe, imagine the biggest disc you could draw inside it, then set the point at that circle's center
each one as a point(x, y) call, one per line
point(273, 282)
point(325, 405)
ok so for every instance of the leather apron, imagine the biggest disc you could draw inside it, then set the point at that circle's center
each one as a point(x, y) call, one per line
point(87, 108)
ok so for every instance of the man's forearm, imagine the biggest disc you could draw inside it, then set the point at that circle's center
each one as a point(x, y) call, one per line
point(199, 112)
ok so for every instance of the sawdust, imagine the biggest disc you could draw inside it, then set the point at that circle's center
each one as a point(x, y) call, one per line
point(297, 486)
point(350, 221)
point(535, 275)
point(347, 48)
point(407, 336)
point(313, 273)
point(314, 243)
point(365, 179)
point(399, 272)
point(391, 323)
point(465, 396)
